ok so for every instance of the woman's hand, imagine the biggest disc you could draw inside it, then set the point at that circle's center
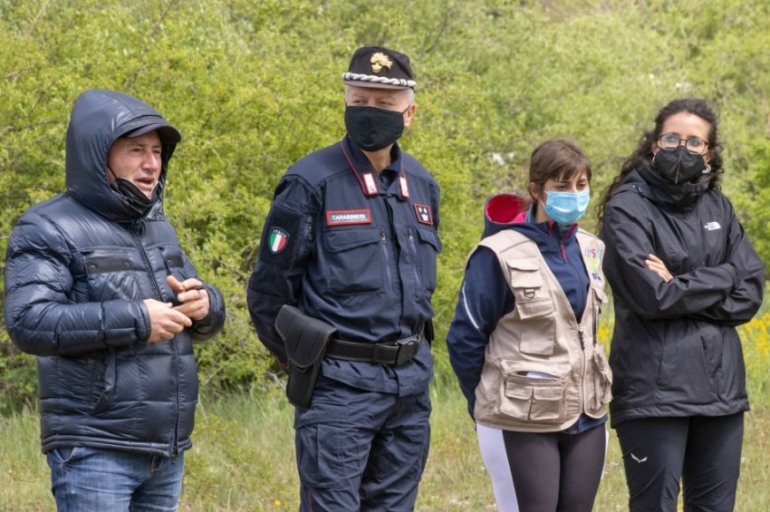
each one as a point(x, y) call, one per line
point(656, 265)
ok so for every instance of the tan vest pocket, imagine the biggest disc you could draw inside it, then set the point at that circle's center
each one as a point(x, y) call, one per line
point(539, 336)
point(534, 306)
point(602, 381)
point(538, 399)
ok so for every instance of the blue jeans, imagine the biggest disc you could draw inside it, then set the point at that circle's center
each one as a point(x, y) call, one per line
point(85, 479)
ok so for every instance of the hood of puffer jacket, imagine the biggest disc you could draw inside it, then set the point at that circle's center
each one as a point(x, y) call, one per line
point(99, 117)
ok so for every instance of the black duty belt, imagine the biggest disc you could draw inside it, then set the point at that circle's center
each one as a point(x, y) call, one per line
point(395, 352)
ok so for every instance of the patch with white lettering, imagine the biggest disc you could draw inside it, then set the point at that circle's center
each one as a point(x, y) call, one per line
point(278, 240)
point(424, 215)
point(348, 217)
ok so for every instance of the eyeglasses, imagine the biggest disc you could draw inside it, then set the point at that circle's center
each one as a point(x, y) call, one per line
point(694, 144)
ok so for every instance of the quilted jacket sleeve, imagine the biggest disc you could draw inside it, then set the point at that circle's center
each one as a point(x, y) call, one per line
point(215, 320)
point(41, 314)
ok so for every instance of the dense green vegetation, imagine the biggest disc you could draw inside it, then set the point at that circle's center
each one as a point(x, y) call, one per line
point(255, 85)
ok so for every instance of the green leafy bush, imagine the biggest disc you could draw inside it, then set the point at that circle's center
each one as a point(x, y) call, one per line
point(254, 86)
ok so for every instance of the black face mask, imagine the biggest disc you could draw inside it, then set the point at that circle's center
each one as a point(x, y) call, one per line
point(371, 128)
point(678, 165)
point(135, 196)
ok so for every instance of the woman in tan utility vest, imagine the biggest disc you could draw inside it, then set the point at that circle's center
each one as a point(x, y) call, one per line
point(523, 340)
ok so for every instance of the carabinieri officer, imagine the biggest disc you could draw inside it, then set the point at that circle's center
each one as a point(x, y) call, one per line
point(348, 258)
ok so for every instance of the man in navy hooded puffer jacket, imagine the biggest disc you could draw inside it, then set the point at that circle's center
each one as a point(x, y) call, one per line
point(99, 289)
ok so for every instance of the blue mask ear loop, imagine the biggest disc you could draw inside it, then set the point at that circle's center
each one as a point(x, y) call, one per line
point(540, 204)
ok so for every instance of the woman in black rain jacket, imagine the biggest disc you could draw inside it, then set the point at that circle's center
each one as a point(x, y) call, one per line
point(683, 274)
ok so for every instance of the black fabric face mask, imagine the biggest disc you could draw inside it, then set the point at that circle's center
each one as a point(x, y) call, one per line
point(372, 128)
point(679, 165)
point(135, 196)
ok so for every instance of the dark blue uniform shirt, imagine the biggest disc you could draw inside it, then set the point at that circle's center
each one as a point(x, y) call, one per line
point(356, 250)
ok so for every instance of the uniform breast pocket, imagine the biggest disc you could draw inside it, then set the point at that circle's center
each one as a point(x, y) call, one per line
point(428, 247)
point(111, 274)
point(354, 259)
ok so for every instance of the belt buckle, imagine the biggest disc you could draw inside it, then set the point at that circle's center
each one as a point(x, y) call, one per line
point(407, 348)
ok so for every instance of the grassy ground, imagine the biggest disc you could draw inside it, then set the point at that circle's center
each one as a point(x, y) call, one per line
point(243, 456)
point(243, 460)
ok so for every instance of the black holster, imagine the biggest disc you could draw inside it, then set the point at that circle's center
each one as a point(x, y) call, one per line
point(305, 339)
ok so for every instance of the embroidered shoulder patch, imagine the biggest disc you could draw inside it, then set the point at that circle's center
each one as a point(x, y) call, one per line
point(348, 217)
point(424, 215)
point(278, 240)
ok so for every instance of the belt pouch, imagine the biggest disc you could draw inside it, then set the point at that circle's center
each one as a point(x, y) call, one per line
point(305, 339)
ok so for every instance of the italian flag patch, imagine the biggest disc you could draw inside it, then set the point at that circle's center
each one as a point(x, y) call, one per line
point(278, 240)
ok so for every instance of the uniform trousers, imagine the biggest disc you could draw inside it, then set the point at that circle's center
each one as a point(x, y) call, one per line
point(361, 450)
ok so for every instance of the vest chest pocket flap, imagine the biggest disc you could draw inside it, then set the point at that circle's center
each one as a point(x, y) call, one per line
point(534, 306)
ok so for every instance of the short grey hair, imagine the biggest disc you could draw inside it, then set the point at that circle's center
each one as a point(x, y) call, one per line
point(409, 93)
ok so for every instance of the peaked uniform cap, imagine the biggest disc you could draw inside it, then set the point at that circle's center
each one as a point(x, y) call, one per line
point(379, 67)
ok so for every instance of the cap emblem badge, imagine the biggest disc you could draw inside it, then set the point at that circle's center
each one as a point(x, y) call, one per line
point(379, 60)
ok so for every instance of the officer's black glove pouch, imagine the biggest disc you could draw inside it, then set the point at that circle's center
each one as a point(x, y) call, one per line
point(305, 339)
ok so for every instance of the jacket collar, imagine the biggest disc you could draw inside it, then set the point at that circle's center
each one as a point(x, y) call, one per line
point(653, 187)
point(369, 180)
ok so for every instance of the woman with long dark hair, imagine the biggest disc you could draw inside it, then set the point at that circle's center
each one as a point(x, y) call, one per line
point(683, 275)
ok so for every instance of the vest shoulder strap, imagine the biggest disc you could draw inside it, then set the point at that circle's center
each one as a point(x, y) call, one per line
point(509, 240)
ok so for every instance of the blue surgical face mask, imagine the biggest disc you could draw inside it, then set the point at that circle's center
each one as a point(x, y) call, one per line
point(566, 208)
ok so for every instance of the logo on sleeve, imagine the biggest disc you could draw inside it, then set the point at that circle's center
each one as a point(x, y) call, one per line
point(347, 217)
point(278, 240)
point(424, 215)
point(712, 226)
